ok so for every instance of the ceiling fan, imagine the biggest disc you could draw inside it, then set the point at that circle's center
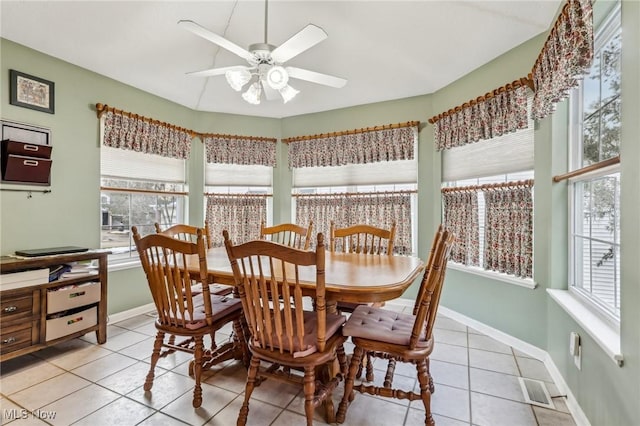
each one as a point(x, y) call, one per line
point(265, 70)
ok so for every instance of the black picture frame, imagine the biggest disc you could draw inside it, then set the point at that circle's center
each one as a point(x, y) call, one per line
point(31, 92)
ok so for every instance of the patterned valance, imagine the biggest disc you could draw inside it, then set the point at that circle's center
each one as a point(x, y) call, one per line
point(497, 113)
point(241, 150)
point(565, 58)
point(385, 143)
point(131, 131)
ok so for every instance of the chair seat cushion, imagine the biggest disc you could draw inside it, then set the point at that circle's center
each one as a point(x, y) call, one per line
point(221, 306)
point(334, 324)
point(220, 289)
point(382, 325)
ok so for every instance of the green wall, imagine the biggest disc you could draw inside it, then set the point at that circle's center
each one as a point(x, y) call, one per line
point(607, 394)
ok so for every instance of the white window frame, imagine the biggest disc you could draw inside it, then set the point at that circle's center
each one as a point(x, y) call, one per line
point(600, 310)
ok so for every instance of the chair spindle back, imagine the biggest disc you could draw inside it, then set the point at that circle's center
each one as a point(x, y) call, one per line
point(431, 287)
point(365, 239)
point(267, 275)
point(164, 260)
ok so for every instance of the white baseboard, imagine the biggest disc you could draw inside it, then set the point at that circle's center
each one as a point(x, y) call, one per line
point(121, 316)
point(527, 348)
point(572, 404)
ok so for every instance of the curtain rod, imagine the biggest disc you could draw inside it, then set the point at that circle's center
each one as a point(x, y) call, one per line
point(351, 132)
point(524, 81)
point(342, 194)
point(142, 191)
point(220, 135)
point(587, 169)
point(102, 108)
point(217, 194)
point(528, 182)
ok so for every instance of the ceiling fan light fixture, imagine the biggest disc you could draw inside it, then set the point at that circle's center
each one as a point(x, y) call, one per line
point(277, 77)
point(288, 93)
point(237, 78)
point(252, 95)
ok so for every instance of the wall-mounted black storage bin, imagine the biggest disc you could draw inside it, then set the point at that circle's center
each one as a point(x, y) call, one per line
point(26, 163)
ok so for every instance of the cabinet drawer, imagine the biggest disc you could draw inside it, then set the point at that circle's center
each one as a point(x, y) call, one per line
point(69, 297)
point(16, 307)
point(16, 337)
point(26, 149)
point(68, 324)
point(18, 168)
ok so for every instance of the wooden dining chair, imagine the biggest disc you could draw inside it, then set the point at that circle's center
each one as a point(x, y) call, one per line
point(183, 313)
point(402, 337)
point(361, 238)
point(288, 234)
point(186, 232)
point(285, 334)
point(364, 239)
point(189, 233)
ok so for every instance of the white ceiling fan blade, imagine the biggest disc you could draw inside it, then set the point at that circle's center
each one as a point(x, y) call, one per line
point(216, 71)
point(215, 38)
point(304, 39)
point(316, 77)
point(269, 92)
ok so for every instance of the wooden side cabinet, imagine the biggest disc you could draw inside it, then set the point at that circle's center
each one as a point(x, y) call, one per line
point(35, 313)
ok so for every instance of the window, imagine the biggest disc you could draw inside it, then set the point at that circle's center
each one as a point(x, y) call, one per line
point(138, 189)
point(238, 198)
point(378, 191)
point(595, 196)
point(504, 159)
point(509, 177)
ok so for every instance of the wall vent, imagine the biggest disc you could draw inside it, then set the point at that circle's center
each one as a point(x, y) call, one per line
point(535, 392)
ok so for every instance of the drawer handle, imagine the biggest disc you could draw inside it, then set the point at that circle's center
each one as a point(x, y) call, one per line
point(32, 163)
point(9, 340)
point(10, 309)
point(72, 321)
point(80, 293)
point(31, 148)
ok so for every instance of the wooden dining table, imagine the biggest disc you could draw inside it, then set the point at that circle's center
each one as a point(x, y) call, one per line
point(349, 277)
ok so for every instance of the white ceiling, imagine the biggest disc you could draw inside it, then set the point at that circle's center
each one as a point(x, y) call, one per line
point(385, 49)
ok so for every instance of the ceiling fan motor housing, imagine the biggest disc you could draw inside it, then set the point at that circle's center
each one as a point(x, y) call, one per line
point(262, 53)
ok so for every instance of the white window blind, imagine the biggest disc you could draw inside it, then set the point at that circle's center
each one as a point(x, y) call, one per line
point(127, 164)
point(508, 153)
point(237, 175)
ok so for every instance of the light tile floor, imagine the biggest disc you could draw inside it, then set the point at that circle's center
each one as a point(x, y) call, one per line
point(81, 383)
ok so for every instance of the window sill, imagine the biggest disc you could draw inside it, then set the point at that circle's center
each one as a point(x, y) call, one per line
point(603, 333)
point(522, 282)
point(124, 265)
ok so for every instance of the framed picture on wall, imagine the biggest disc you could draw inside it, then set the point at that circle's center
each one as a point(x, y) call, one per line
point(31, 92)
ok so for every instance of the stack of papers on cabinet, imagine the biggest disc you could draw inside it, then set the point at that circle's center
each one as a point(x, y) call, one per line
point(24, 279)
